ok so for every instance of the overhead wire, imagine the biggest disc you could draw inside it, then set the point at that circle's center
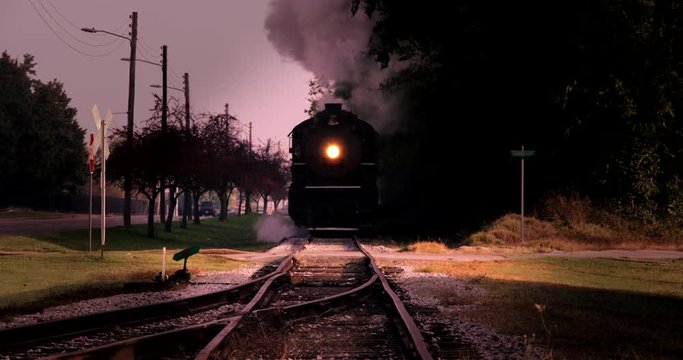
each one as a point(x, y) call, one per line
point(146, 48)
point(65, 41)
point(61, 38)
point(67, 31)
point(79, 28)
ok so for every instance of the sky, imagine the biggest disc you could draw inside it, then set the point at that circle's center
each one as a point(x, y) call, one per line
point(223, 45)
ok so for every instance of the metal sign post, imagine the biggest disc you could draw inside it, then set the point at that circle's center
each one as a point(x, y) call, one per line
point(102, 139)
point(91, 167)
point(522, 154)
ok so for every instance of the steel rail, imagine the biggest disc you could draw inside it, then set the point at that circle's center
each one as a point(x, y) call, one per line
point(324, 303)
point(148, 345)
point(216, 344)
point(410, 329)
point(60, 328)
point(157, 344)
point(26, 335)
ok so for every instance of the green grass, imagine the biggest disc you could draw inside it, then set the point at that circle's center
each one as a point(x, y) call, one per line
point(594, 308)
point(45, 269)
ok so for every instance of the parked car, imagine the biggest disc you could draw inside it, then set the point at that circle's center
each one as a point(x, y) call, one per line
point(206, 209)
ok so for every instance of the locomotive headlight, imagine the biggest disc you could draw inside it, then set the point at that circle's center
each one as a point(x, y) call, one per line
point(332, 151)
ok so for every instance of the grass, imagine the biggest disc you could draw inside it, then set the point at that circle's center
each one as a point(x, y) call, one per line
point(429, 247)
point(576, 308)
point(547, 235)
point(46, 269)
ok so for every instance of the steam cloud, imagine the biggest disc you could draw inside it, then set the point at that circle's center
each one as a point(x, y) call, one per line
point(325, 39)
point(273, 228)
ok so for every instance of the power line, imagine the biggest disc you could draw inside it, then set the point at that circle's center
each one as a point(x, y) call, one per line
point(66, 42)
point(65, 30)
point(79, 27)
point(146, 48)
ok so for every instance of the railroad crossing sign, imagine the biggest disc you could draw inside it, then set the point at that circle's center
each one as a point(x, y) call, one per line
point(101, 139)
point(91, 154)
point(100, 136)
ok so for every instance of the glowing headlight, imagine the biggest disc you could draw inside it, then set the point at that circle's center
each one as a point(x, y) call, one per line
point(332, 151)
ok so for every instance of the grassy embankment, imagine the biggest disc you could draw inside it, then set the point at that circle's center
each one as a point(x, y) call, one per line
point(46, 269)
point(575, 308)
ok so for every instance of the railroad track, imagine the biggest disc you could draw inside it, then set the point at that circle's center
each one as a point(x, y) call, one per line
point(337, 304)
point(328, 300)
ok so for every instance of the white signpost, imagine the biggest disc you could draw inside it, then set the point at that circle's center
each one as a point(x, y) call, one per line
point(91, 167)
point(101, 139)
point(521, 154)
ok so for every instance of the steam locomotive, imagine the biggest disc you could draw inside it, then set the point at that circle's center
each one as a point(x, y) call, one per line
point(333, 170)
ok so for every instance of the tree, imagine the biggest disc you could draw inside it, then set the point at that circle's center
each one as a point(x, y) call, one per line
point(593, 87)
point(226, 155)
point(41, 142)
point(271, 173)
point(152, 157)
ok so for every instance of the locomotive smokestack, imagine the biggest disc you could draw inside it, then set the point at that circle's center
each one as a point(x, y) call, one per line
point(333, 107)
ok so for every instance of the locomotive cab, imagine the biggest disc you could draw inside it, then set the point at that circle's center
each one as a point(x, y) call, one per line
point(333, 171)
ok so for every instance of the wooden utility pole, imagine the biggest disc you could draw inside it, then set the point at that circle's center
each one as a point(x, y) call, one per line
point(187, 206)
point(164, 85)
point(127, 178)
point(186, 87)
point(247, 195)
point(164, 125)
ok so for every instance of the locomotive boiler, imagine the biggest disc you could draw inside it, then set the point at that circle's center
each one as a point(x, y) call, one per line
point(334, 187)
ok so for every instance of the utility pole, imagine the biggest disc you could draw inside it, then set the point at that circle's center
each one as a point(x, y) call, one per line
point(164, 122)
point(247, 195)
point(186, 87)
point(103, 187)
point(127, 178)
point(164, 84)
point(187, 205)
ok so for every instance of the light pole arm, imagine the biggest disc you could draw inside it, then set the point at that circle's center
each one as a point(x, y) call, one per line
point(94, 31)
point(168, 87)
point(144, 61)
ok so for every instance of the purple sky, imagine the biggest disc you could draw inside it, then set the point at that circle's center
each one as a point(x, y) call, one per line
point(221, 44)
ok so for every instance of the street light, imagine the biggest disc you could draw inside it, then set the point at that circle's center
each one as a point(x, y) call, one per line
point(157, 86)
point(144, 61)
point(94, 31)
point(127, 178)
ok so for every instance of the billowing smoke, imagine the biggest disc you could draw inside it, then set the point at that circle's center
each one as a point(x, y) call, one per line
point(273, 228)
point(326, 40)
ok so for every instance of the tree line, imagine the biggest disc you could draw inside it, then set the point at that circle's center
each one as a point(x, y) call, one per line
point(43, 151)
point(210, 155)
point(41, 144)
point(594, 87)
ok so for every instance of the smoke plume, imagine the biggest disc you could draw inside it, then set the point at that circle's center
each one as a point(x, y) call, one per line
point(325, 39)
point(273, 228)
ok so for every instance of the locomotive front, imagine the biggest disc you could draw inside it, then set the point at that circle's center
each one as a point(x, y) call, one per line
point(333, 171)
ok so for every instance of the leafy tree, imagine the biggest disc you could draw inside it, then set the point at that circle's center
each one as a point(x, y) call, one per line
point(42, 145)
point(153, 157)
point(226, 155)
point(593, 87)
point(271, 173)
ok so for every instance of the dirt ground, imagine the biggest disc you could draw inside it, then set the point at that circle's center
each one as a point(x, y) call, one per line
point(482, 254)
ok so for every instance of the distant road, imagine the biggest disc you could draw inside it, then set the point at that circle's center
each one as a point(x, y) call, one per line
point(69, 222)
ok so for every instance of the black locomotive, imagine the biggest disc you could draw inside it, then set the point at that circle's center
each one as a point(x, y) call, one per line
point(334, 185)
